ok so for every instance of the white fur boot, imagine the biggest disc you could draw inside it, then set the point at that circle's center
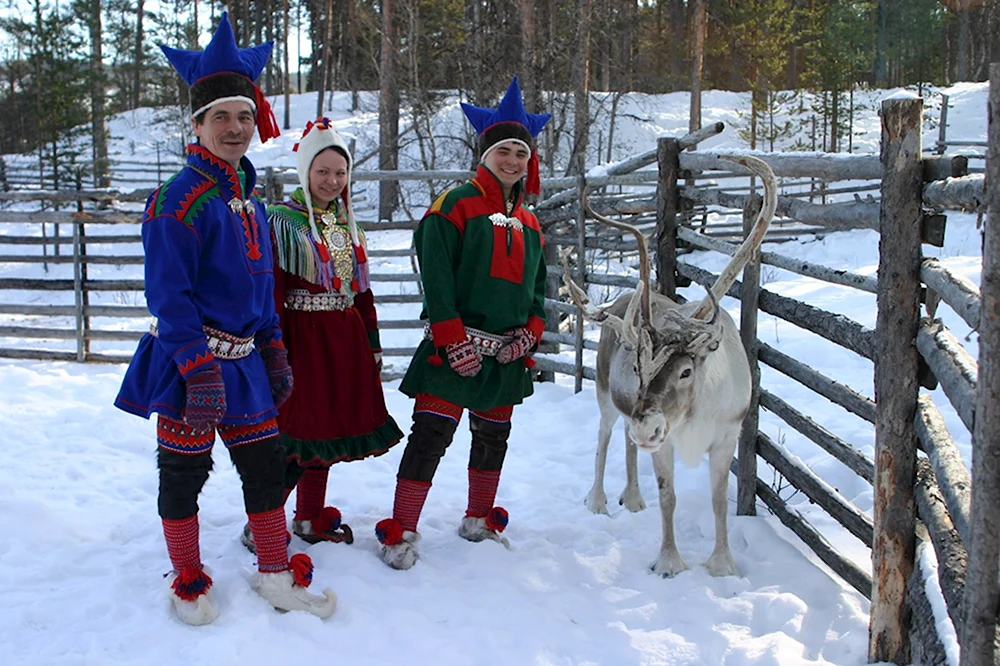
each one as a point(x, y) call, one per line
point(192, 596)
point(479, 529)
point(282, 591)
point(402, 555)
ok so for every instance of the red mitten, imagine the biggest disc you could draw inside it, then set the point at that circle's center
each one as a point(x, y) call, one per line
point(464, 358)
point(524, 341)
point(279, 373)
point(206, 398)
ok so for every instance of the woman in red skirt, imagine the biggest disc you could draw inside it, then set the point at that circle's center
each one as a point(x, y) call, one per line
point(324, 300)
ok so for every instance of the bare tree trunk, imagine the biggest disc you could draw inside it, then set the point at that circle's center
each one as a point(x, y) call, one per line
point(881, 43)
point(327, 44)
point(137, 73)
point(529, 59)
point(98, 125)
point(352, 53)
point(678, 25)
point(964, 40)
point(626, 81)
point(388, 114)
point(581, 86)
point(697, 63)
point(287, 84)
point(475, 83)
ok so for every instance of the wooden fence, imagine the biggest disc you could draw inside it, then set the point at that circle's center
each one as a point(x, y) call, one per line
point(916, 498)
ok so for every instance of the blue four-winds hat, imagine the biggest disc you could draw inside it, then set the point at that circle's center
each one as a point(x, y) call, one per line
point(509, 122)
point(224, 72)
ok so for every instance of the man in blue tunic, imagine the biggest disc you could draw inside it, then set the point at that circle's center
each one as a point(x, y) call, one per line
point(213, 360)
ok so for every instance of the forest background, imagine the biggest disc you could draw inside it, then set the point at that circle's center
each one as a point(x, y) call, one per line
point(65, 66)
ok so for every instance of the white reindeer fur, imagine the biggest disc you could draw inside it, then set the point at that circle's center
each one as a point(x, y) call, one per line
point(690, 417)
point(718, 401)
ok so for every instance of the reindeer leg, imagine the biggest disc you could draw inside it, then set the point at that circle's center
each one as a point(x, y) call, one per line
point(669, 563)
point(631, 497)
point(720, 455)
point(597, 500)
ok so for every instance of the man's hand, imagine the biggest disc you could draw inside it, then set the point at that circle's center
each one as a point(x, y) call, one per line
point(206, 398)
point(523, 342)
point(464, 358)
point(279, 373)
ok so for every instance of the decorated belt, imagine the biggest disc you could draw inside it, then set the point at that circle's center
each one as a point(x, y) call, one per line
point(488, 343)
point(223, 345)
point(300, 299)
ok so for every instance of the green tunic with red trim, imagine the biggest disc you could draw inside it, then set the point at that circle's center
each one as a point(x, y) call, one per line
point(483, 269)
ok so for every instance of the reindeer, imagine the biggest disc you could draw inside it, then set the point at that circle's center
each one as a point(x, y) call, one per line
point(679, 376)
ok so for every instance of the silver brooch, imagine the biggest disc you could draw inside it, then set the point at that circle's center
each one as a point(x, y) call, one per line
point(501, 220)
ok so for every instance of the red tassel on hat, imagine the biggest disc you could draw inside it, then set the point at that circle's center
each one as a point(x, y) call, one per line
point(267, 124)
point(533, 184)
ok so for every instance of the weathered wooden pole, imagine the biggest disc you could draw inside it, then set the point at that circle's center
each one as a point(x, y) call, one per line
point(667, 205)
point(581, 269)
point(977, 636)
point(896, 384)
point(746, 479)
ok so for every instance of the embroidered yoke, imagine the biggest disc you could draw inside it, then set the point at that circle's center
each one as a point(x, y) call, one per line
point(481, 269)
point(208, 264)
point(322, 294)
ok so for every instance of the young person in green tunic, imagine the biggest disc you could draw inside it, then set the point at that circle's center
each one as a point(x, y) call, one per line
point(483, 272)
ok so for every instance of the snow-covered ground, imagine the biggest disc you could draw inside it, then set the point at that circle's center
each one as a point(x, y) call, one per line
point(82, 555)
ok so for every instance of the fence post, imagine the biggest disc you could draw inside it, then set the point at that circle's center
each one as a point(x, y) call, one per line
point(942, 142)
point(977, 637)
point(3, 175)
point(581, 271)
point(746, 479)
point(668, 152)
point(159, 166)
point(896, 381)
point(81, 296)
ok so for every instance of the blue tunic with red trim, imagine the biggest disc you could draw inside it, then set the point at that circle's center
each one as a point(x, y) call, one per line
point(209, 263)
point(482, 269)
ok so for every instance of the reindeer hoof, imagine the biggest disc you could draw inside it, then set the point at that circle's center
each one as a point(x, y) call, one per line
point(722, 564)
point(668, 566)
point(632, 500)
point(596, 502)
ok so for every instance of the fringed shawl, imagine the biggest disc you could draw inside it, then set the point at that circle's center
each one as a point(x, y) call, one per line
point(298, 254)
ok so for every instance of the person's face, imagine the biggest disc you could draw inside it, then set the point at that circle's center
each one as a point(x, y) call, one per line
point(327, 177)
point(226, 130)
point(508, 161)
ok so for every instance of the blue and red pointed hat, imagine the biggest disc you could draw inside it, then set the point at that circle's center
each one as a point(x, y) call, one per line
point(224, 72)
point(509, 122)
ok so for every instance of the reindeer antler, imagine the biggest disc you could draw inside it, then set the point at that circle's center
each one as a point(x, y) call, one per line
point(599, 313)
point(644, 268)
point(753, 241)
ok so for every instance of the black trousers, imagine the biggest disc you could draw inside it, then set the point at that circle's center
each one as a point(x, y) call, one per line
point(261, 466)
point(431, 435)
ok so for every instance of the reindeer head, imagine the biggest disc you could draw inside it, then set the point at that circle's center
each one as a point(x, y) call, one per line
point(657, 363)
point(660, 361)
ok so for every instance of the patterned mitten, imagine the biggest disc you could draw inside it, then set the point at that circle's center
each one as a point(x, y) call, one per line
point(464, 358)
point(523, 342)
point(206, 398)
point(279, 373)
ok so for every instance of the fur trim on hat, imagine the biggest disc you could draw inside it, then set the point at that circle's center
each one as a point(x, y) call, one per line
point(504, 131)
point(218, 88)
